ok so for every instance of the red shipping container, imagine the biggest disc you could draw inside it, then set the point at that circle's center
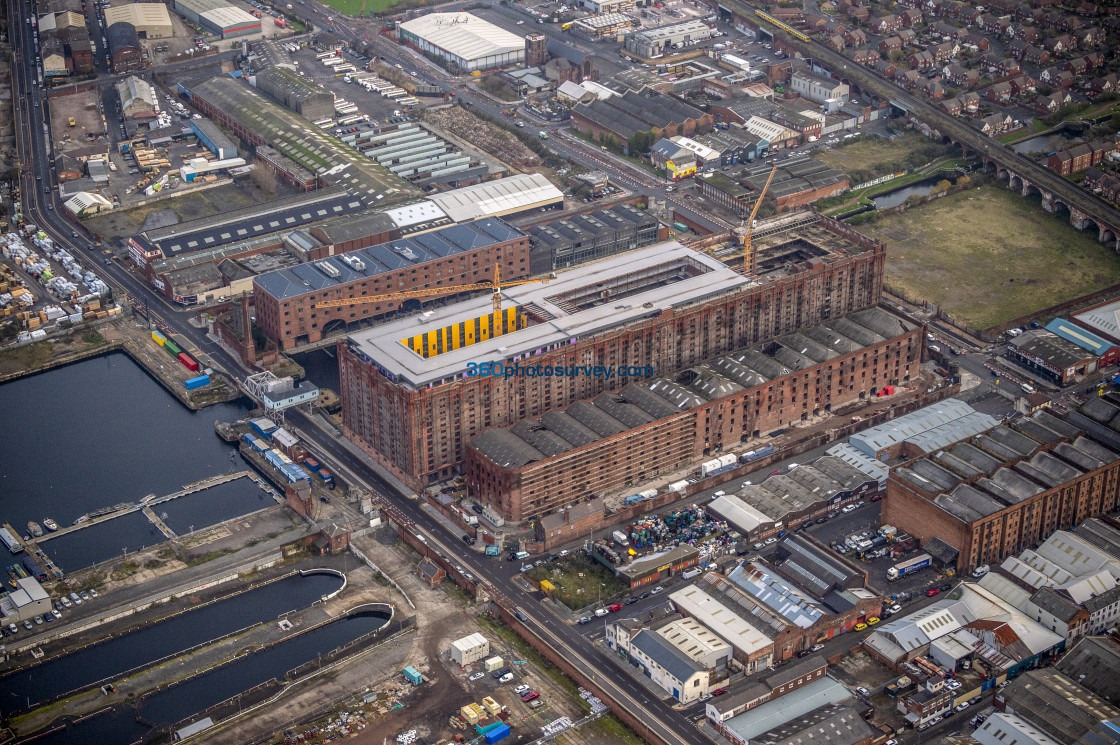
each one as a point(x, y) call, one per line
point(188, 363)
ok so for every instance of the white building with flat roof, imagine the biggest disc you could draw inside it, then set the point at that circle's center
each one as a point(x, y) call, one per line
point(470, 649)
point(464, 40)
point(752, 647)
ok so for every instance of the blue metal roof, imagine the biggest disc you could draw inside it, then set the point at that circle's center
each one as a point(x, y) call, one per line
point(1079, 336)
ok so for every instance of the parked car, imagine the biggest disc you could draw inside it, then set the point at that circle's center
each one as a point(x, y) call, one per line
point(980, 571)
point(873, 620)
point(506, 678)
point(657, 590)
point(74, 597)
point(521, 688)
point(585, 620)
point(27, 624)
point(860, 626)
point(932, 591)
point(530, 696)
point(719, 691)
point(816, 648)
point(615, 608)
point(962, 706)
point(946, 587)
point(476, 676)
point(630, 601)
point(863, 691)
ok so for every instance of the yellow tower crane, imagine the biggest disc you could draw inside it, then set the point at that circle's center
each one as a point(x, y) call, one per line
point(750, 222)
point(496, 285)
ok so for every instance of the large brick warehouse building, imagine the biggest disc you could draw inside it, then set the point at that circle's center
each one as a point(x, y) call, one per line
point(594, 448)
point(663, 309)
point(1008, 489)
point(459, 254)
point(543, 464)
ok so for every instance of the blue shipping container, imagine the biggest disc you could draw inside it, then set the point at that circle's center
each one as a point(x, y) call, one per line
point(199, 382)
point(500, 732)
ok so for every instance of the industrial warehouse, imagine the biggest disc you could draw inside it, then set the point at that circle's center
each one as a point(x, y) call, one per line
point(464, 41)
point(594, 447)
point(991, 495)
point(218, 17)
point(150, 20)
point(606, 313)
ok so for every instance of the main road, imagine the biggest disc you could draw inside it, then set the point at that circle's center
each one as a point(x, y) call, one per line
point(671, 726)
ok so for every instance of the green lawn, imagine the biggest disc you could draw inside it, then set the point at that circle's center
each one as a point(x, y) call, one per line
point(580, 582)
point(987, 255)
point(360, 7)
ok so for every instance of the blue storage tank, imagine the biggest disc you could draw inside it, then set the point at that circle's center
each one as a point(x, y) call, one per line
point(500, 732)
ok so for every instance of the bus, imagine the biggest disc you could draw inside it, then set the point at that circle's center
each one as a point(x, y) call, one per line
point(351, 120)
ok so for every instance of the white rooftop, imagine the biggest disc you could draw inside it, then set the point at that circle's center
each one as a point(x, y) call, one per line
point(727, 624)
point(496, 198)
point(740, 514)
point(1104, 320)
point(382, 345)
point(470, 642)
point(999, 727)
point(415, 214)
point(229, 17)
point(464, 35)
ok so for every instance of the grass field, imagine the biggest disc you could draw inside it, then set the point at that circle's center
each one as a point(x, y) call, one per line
point(987, 255)
point(359, 7)
point(579, 580)
point(869, 153)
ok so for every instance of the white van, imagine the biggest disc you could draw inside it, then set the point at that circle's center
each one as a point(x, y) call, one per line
point(691, 573)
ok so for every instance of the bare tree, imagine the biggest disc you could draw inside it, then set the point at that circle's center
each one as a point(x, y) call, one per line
point(265, 179)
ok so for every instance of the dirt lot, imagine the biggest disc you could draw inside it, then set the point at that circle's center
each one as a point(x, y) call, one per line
point(987, 255)
point(127, 222)
point(83, 106)
point(497, 142)
point(444, 614)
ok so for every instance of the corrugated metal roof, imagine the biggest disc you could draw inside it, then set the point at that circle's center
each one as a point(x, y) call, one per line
point(878, 438)
point(499, 197)
point(1079, 336)
point(464, 35)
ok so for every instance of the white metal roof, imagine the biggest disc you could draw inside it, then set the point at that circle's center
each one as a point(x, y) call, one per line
point(229, 17)
point(414, 214)
point(85, 200)
point(722, 620)
point(495, 198)
point(1104, 320)
point(737, 512)
point(467, 643)
point(464, 35)
point(34, 590)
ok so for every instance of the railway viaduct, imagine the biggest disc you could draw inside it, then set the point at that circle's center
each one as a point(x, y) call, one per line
point(1086, 211)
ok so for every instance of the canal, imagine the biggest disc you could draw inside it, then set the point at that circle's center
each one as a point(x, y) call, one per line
point(176, 704)
point(320, 367)
point(97, 433)
point(899, 196)
point(1047, 144)
point(59, 675)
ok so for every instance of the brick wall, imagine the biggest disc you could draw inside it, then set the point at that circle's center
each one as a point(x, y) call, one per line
point(642, 453)
point(421, 436)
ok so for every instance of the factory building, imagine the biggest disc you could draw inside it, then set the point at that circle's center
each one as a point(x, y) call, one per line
point(150, 20)
point(642, 309)
point(304, 96)
point(817, 87)
point(577, 239)
point(124, 47)
point(464, 41)
point(657, 42)
point(538, 466)
point(458, 254)
point(218, 17)
point(213, 138)
point(1009, 488)
point(138, 99)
